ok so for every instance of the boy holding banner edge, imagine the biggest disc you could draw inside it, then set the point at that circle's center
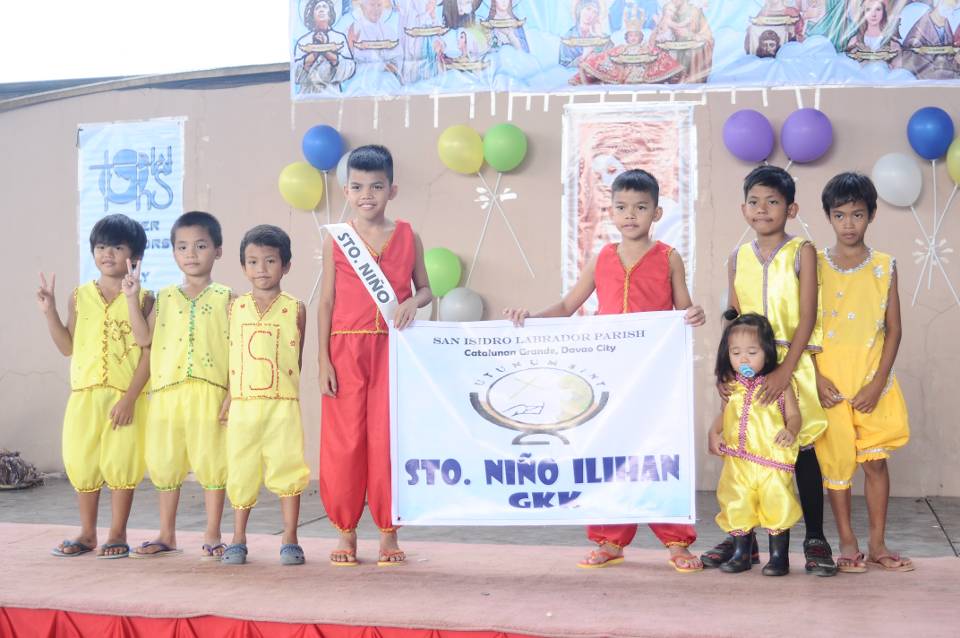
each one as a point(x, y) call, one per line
point(369, 264)
point(638, 274)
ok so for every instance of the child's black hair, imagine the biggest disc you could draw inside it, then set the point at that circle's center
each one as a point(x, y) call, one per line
point(372, 158)
point(849, 187)
point(199, 218)
point(639, 181)
point(768, 343)
point(772, 177)
point(267, 235)
point(116, 230)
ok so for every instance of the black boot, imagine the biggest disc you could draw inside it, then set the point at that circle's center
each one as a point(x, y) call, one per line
point(724, 550)
point(779, 564)
point(741, 560)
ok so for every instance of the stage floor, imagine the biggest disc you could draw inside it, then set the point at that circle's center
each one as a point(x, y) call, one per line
point(523, 589)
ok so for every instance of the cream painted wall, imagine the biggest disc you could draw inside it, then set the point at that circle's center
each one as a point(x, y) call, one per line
point(238, 139)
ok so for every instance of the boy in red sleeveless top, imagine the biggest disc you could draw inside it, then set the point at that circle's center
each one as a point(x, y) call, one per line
point(355, 417)
point(636, 275)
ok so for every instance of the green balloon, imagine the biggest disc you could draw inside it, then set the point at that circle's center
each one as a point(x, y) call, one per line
point(443, 270)
point(504, 147)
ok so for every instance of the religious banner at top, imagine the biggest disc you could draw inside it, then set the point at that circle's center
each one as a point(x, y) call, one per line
point(353, 48)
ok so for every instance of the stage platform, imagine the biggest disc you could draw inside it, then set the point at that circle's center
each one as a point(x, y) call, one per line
point(447, 590)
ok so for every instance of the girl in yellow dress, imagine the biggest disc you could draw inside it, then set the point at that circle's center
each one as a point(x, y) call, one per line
point(104, 421)
point(759, 446)
point(865, 407)
point(776, 276)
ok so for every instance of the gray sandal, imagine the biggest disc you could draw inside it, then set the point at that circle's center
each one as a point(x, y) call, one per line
point(291, 554)
point(234, 554)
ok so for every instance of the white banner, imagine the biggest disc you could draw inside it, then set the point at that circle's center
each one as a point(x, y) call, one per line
point(563, 421)
point(134, 168)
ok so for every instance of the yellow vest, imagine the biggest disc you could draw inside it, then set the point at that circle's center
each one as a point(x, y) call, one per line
point(854, 318)
point(105, 354)
point(264, 349)
point(749, 428)
point(772, 289)
point(190, 337)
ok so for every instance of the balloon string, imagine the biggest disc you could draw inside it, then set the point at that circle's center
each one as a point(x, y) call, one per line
point(933, 166)
point(503, 214)
point(343, 213)
point(483, 231)
point(316, 283)
point(789, 164)
point(326, 193)
point(923, 269)
point(946, 208)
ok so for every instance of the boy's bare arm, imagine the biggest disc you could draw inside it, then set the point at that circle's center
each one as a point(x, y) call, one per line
point(130, 285)
point(570, 303)
point(681, 294)
point(421, 282)
point(62, 335)
point(328, 376)
point(123, 412)
point(732, 300)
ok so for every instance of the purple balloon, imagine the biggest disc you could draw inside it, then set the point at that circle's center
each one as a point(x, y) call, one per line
point(748, 135)
point(806, 135)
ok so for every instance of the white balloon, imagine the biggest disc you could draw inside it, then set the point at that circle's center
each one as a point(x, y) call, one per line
point(461, 304)
point(898, 179)
point(342, 172)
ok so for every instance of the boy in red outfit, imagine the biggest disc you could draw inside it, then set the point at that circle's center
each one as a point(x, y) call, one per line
point(353, 316)
point(636, 275)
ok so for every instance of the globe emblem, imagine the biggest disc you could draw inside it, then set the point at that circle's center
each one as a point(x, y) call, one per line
point(539, 401)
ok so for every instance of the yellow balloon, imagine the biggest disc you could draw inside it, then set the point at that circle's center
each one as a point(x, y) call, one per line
point(301, 185)
point(461, 149)
point(953, 160)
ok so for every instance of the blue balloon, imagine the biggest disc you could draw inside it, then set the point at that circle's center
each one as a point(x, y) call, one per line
point(930, 131)
point(322, 147)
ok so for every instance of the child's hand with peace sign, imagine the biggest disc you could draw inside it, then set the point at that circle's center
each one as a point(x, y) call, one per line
point(131, 281)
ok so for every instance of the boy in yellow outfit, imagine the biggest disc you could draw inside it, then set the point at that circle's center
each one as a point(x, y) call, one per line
point(104, 421)
point(264, 432)
point(188, 366)
point(865, 408)
point(776, 276)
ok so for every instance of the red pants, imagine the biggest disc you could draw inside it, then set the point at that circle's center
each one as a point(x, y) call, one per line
point(355, 433)
point(670, 534)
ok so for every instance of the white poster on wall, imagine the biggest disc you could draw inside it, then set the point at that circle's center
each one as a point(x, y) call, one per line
point(564, 421)
point(600, 141)
point(133, 168)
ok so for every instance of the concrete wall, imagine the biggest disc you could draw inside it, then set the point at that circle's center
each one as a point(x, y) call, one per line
point(238, 139)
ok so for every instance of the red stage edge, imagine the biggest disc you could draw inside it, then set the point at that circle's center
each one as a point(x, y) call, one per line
point(16, 622)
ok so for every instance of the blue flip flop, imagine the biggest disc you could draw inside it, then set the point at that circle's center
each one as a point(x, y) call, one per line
point(291, 554)
point(235, 554)
point(210, 552)
point(124, 554)
point(163, 550)
point(67, 543)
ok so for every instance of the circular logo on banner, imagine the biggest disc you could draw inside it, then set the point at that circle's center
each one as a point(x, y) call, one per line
point(540, 400)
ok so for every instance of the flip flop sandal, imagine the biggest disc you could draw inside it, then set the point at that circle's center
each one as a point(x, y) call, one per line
point(235, 554)
point(902, 567)
point(350, 554)
point(66, 544)
point(386, 558)
point(291, 554)
point(210, 552)
point(124, 554)
point(162, 550)
point(676, 561)
point(851, 564)
point(609, 560)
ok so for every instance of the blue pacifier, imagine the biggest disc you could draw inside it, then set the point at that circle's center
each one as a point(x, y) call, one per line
point(747, 371)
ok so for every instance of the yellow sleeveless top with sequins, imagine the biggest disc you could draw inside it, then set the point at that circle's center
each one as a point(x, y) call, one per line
point(105, 354)
point(264, 349)
point(190, 337)
point(772, 288)
point(749, 428)
point(854, 319)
